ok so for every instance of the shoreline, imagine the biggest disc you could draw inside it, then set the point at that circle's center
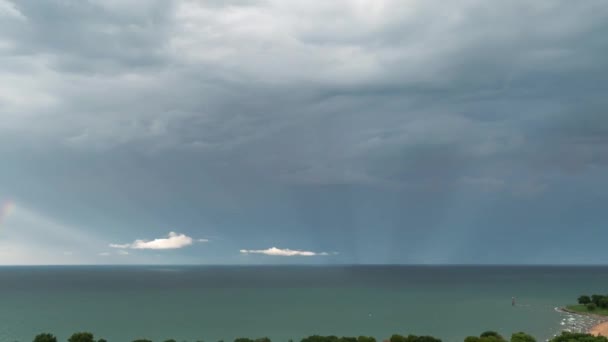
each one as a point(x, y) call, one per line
point(600, 328)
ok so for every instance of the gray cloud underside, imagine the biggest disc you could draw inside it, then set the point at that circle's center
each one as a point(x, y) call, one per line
point(391, 91)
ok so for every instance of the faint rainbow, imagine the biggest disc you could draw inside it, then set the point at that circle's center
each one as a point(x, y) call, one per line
point(6, 209)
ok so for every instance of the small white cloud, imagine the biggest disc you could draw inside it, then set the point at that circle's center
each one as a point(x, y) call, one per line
point(172, 241)
point(120, 252)
point(115, 245)
point(203, 240)
point(274, 251)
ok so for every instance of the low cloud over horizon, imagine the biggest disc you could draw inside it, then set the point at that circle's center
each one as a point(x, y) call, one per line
point(172, 241)
point(274, 251)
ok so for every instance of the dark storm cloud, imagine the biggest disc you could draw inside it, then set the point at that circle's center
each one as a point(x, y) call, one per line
point(241, 117)
point(92, 37)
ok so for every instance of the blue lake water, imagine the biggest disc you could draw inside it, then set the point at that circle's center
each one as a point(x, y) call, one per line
point(213, 303)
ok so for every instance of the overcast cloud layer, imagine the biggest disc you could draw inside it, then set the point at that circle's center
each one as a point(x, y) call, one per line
point(388, 131)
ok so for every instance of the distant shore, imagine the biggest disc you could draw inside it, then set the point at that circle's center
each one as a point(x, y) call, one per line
point(599, 329)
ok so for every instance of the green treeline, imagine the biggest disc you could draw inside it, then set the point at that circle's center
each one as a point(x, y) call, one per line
point(594, 301)
point(488, 336)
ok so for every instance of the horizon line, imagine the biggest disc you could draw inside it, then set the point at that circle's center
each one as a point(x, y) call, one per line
point(310, 265)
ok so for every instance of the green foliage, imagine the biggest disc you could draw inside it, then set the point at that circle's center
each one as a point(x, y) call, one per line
point(318, 338)
point(347, 339)
point(491, 334)
point(82, 337)
point(583, 309)
point(584, 299)
point(244, 339)
point(366, 339)
point(578, 337)
point(596, 299)
point(600, 301)
point(397, 338)
point(394, 338)
point(522, 337)
point(45, 338)
point(413, 338)
point(487, 336)
point(102, 340)
point(591, 306)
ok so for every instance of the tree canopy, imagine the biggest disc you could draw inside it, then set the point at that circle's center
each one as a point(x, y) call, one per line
point(600, 301)
point(45, 338)
point(82, 337)
point(366, 339)
point(318, 338)
point(578, 337)
point(584, 299)
point(244, 339)
point(522, 337)
point(486, 336)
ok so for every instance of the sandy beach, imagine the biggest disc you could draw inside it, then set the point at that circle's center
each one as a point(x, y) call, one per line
point(600, 329)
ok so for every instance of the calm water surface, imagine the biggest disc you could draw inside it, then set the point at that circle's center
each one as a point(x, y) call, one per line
point(214, 303)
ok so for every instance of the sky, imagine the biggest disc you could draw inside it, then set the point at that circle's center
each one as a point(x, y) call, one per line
point(303, 132)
